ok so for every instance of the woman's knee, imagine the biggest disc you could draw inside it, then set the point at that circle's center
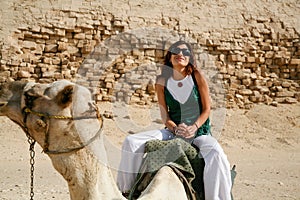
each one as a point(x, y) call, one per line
point(128, 143)
point(205, 141)
point(207, 144)
point(128, 139)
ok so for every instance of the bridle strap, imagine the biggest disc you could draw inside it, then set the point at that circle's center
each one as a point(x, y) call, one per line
point(61, 117)
point(28, 110)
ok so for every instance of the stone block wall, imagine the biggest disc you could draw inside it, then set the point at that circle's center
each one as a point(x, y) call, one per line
point(119, 58)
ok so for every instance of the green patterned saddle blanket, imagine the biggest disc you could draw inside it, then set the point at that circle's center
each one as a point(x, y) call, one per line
point(181, 156)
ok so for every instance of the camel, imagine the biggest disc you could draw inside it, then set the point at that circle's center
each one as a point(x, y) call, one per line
point(63, 119)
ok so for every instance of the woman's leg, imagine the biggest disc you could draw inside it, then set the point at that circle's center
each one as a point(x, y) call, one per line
point(216, 175)
point(132, 155)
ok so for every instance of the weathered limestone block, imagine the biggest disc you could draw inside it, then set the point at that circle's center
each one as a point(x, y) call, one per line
point(49, 31)
point(47, 60)
point(250, 59)
point(72, 49)
point(213, 43)
point(26, 34)
point(35, 28)
point(286, 84)
point(86, 49)
point(276, 89)
point(150, 88)
point(89, 36)
point(295, 61)
point(39, 50)
point(109, 86)
point(266, 46)
point(222, 69)
point(79, 36)
point(281, 61)
point(269, 54)
point(129, 61)
point(13, 62)
point(51, 48)
point(264, 90)
point(58, 76)
point(285, 94)
point(55, 61)
point(48, 74)
point(150, 52)
point(247, 82)
point(29, 45)
point(260, 60)
point(290, 100)
point(233, 58)
point(268, 100)
point(62, 46)
point(60, 32)
point(253, 76)
point(245, 92)
point(255, 33)
point(284, 75)
point(106, 23)
point(257, 97)
point(243, 74)
point(5, 74)
point(23, 74)
point(134, 99)
point(274, 76)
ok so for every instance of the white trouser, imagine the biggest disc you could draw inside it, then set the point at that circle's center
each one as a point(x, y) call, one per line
point(132, 155)
point(216, 175)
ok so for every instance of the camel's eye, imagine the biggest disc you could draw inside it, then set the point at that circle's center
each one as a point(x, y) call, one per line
point(1, 87)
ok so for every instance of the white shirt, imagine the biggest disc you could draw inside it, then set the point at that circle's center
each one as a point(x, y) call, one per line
point(181, 94)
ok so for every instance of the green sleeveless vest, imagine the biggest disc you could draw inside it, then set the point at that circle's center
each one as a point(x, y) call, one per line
point(188, 112)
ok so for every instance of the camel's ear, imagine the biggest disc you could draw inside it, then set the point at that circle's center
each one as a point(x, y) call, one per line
point(34, 90)
point(64, 97)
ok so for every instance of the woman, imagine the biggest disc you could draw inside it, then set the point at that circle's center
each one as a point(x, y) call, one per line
point(184, 101)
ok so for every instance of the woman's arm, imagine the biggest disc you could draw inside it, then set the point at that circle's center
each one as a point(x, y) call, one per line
point(205, 97)
point(159, 88)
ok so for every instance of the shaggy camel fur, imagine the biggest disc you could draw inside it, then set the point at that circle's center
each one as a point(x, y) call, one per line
point(62, 118)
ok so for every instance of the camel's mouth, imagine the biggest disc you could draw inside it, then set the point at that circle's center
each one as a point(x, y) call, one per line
point(2, 104)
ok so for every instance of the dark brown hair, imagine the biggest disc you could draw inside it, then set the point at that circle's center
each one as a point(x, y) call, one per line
point(167, 69)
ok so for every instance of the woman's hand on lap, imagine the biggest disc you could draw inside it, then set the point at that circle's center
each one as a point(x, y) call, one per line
point(186, 131)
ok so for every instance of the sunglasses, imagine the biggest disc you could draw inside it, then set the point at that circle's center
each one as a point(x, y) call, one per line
point(177, 50)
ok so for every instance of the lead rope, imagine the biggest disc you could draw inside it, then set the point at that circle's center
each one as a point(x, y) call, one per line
point(31, 142)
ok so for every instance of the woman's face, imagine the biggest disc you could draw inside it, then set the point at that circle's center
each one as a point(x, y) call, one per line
point(180, 56)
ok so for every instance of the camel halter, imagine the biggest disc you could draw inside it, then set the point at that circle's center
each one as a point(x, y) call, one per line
point(32, 141)
point(61, 117)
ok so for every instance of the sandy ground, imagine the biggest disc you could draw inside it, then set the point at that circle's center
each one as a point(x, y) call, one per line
point(262, 142)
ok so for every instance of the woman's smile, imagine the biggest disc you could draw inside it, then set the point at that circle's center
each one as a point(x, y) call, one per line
point(180, 58)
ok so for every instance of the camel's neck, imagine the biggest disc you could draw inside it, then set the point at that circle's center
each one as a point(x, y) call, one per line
point(87, 177)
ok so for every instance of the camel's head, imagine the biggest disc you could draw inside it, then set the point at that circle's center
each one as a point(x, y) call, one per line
point(61, 114)
point(14, 96)
point(10, 98)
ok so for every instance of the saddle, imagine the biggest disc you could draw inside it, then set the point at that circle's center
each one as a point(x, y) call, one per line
point(181, 157)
